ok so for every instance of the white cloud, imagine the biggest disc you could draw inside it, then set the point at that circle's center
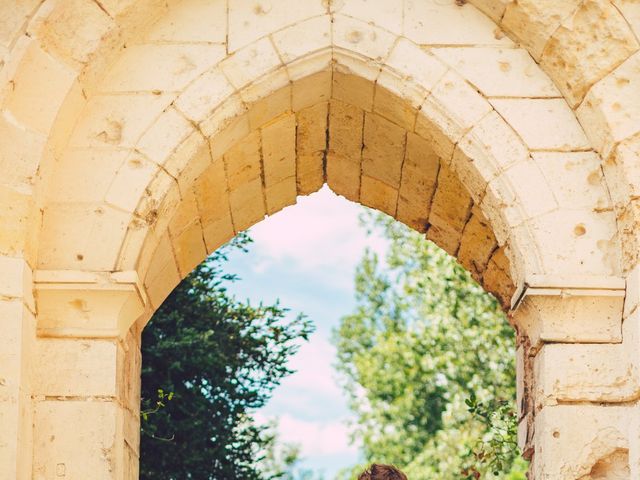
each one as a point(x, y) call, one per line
point(314, 438)
point(319, 235)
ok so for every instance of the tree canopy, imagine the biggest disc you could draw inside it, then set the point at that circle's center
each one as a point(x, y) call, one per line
point(427, 360)
point(209, 361)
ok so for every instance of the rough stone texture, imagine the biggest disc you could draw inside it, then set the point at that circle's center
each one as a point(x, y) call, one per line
point(138, 136)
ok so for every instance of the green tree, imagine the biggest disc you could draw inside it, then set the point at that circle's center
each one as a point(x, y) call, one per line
point(423, 339)
point(218, 359)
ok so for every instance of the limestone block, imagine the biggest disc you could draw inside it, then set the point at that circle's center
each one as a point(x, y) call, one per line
point(419, 174)
point(168, 131)
point(622, 171)
point(378, 12)
point(191, 21)
point(72, 367)
point(578, 235)
point(453, 107)
point(499, 71)
point(250, 63)
point(34, 100)
point(162, 274)
point(231, 112)
point(16, 206)
point(571, 316)
point(391, 105)
point(137, 234)
point(250, 21)
point(630, 9)
point(189, 248)
point(14, 15)
point(353, 90)
point(585, 48)
point(280, 195)
point(12, 372)
point(279, 150)
point(321, 60)
point(73, 30)
point(544, 124)
point(218, 232)
point(117, 120)
point(247, 204)
point(376, 194)
point(346, 123)
point(85, 174)
point(303, 38)
point(204, 95)
point(563, 451)
point(583, 373)
point(383, 152)
point(130, 182)
point(74, 303)
point(189, 161)
point(20, 152)
point(497, 277)
point(185, 215)
point(477, 244)
point(160, 197)
point(534, 21)
point(311, 90)
point(535, 197)
point(96, 229)
point(584, 186)
point(160, 67)
point(242, 161)
point(429, 23)
point(416, 64)
point(15, 278)
point(311, 145)
point(450, 211)
point(211, 193)
point(494, 9)
point(234, 131)
point(91, 448)
point(269, 106)
point(362, 38)
point(610, 110)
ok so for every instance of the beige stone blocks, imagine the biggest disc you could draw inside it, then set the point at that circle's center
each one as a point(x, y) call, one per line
point(430, 23)
point(279, 162)
point(383, 152)
point(610, 109)
point(584, 48)
point(71, 367)
point(571, 316)
point(419, 174)
point(564, 451)
point(191, 21)
point(250, 21)
point(344, 157)
point(94, 444)
point(534, 21)
point(499, 71)
point(311, 147)
point(251, 62)
point(476, 245)
point(543, 124)
point(450, 210)
point(303, 38)
point(160, 68)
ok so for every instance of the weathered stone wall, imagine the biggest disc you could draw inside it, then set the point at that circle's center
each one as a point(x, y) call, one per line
point(138, 136)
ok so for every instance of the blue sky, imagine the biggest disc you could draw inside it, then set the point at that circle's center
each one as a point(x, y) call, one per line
point(305, 256)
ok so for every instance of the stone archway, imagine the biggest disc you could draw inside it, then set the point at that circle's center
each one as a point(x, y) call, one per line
point(144, 136)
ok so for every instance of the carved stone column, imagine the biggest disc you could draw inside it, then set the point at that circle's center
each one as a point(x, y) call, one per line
point(87, 375)
point(577, 378)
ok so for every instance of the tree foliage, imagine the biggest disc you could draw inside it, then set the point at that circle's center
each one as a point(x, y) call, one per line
point(218, 359)
point(423, 338)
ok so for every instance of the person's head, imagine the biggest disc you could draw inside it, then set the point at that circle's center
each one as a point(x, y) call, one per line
point(382, 472)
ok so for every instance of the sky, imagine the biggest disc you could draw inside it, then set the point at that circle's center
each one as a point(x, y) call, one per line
point(306, 256)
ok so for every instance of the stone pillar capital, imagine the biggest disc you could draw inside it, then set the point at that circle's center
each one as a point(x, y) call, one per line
point(87, 304)
point(570, 310)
